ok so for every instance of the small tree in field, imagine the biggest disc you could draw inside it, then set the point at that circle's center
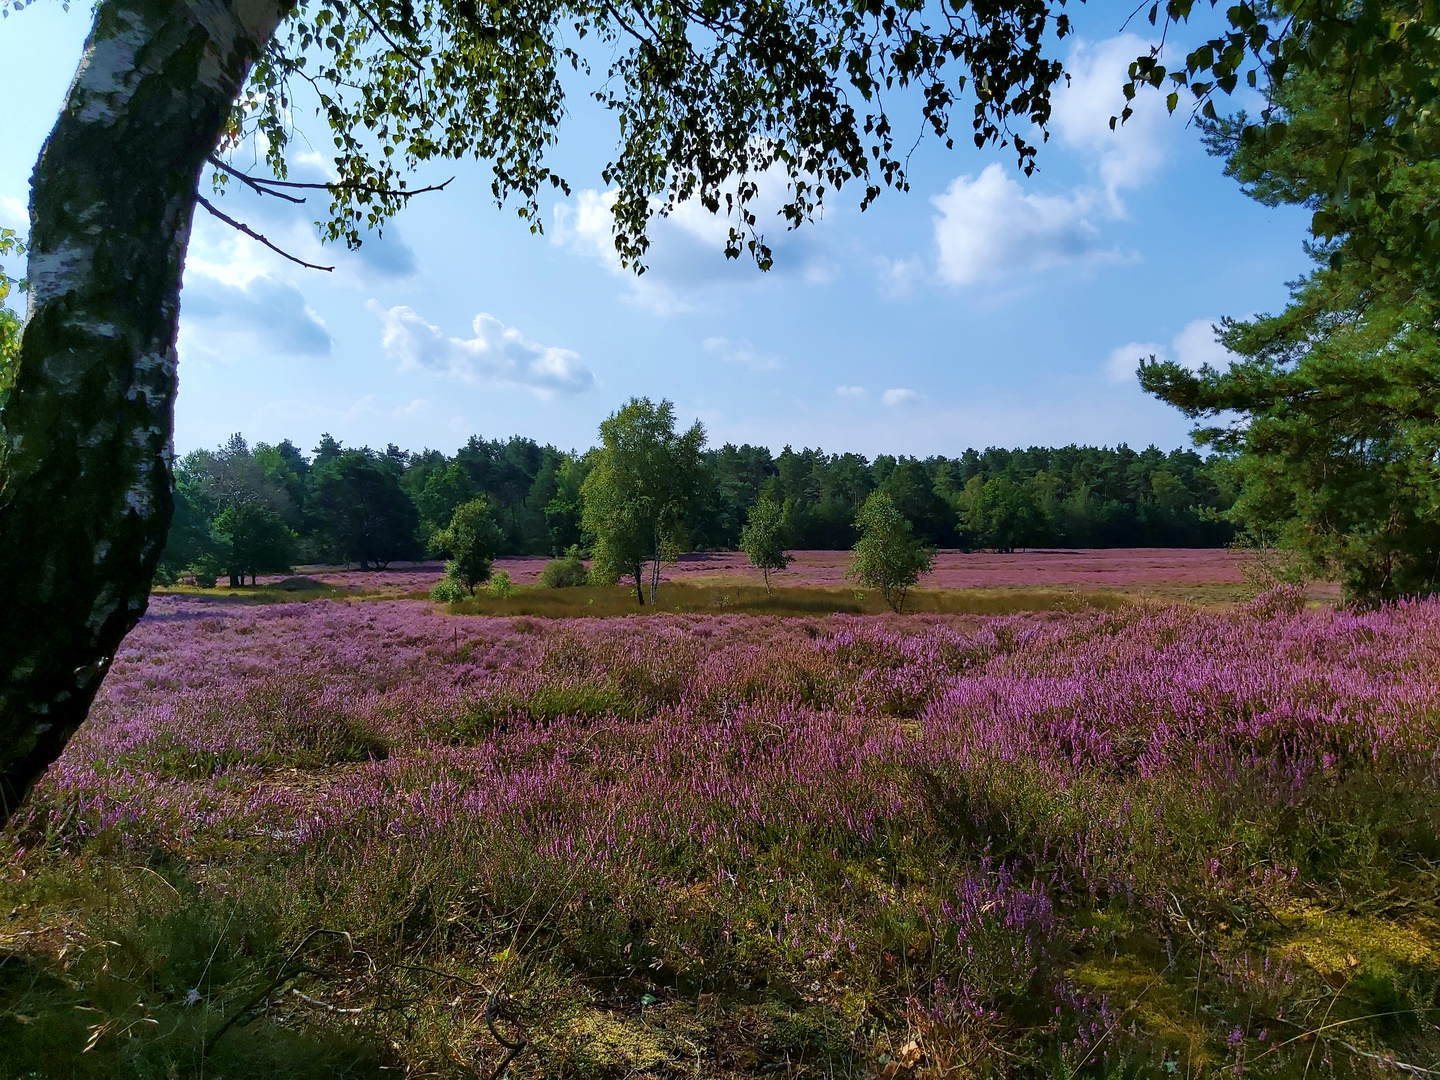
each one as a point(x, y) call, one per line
point(887, 556)
point(763, 538)
point(638, 496)
point(471, 539)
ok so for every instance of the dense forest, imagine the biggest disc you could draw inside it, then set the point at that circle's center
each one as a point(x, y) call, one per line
point(245, 510)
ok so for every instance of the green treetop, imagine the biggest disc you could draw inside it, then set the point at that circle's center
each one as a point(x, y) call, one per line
point(640, 490)
point(1331, 413)
point(763, 538)
point(887, 555)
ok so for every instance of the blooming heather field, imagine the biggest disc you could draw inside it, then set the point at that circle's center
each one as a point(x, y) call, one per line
point(316, 839)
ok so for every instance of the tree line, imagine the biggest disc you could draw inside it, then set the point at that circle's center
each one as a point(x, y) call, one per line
point(243, 510)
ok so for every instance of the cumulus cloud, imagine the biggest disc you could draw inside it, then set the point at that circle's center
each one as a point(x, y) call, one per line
point(1193, 347)
point(989, 226)
point(899, 396)
point(855, 392)
point(741, 352)
point(1120, 365)
point(235, 299)
point(899, 276)
point(382, 256)
point(497, 355)
point(1134, 152)
point(262, 313)
point(686, 258)
point(387, 255)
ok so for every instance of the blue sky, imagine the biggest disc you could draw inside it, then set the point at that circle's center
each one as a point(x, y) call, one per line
point(981, 308)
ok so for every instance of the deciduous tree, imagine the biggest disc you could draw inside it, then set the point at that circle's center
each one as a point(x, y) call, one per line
point(10, 245)
point(763, 538)
point(639, 493)
point(363, 511)
point(887, 555)
point(471, 540)
point(253, 539)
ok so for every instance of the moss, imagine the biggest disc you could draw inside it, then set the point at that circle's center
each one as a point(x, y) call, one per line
point(1333, 942)
point(1141, 993)
point(596, 1043)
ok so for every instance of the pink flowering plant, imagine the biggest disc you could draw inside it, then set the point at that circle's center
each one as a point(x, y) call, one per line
point(1148, 840)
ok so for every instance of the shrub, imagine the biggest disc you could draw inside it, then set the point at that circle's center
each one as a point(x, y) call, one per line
point(500, 585)
point(565, 573)
point(448, 591)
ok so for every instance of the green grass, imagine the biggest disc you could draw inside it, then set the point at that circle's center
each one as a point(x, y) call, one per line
point(281, 592)
point(694, 599)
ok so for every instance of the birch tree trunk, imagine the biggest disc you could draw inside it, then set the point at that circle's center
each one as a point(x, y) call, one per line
point(85, 439)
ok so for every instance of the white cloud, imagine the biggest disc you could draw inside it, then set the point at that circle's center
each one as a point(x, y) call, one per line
point(855, 392)
point(742, 353)
point(899, 396)
point(1134, 152)
point(1195, 346)
point(1192, 348)
point(260, 314)
point(497, 354)
point(237, 299)
point(415, 406)
point(586, 227)
point(988, 226)
point(686, 258)
point(899, 276)
point(1120, 365)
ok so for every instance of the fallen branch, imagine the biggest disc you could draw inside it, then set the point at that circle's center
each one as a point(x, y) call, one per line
point(285, 974)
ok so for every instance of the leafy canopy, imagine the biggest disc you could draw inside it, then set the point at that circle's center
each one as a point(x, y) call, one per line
point(1335, 445)
point(763, 538)
point(713, 96)
point(640, 490)
point(10, 244)
point(887, 555)
point(253, 540)
point(708, 96)
point(363, 510)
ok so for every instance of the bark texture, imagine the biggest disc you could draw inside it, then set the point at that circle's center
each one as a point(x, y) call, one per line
point(85, 439)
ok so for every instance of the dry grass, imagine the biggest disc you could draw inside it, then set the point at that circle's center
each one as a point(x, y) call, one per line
point(687, 598)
